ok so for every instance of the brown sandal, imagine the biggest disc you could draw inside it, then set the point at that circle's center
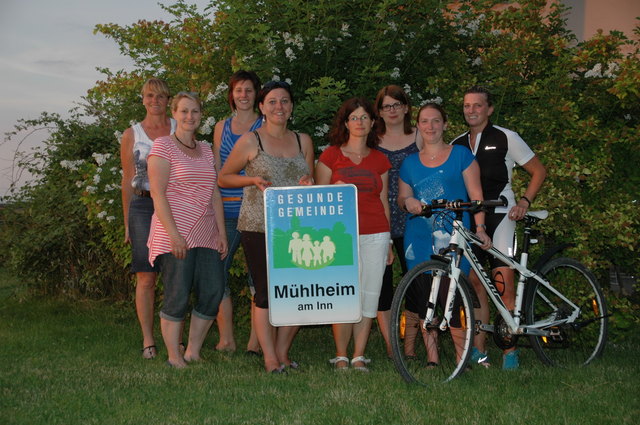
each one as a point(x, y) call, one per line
point(149, 352)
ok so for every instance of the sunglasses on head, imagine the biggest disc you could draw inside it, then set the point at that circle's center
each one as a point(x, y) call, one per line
point(277, 85)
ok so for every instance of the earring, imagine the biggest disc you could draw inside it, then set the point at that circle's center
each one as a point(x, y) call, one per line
point(264, 119)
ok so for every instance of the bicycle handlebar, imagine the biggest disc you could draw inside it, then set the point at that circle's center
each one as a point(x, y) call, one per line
point(459, 205)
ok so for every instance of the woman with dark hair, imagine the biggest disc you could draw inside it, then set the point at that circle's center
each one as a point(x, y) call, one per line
point(352, 158)
point(398, 139)
point(187, 236)
point(275, 156)
point(243, 89)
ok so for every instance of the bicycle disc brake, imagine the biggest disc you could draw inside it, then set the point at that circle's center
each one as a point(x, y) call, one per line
point(502, 336)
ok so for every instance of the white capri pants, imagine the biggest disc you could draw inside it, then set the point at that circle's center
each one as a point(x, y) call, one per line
point(374, 249)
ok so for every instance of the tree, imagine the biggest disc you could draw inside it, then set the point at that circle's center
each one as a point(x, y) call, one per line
point(576, 104)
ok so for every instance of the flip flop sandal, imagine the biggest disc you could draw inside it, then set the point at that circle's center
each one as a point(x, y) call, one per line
point(149, 352)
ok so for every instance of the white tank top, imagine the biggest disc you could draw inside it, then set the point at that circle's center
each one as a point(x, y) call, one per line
point(141, 147)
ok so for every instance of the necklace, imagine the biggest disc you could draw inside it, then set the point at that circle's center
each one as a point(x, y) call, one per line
point(431, 157)
point(186, 146)
point(359, 155)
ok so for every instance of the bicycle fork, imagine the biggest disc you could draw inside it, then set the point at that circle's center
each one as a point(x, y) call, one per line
point(453, 274)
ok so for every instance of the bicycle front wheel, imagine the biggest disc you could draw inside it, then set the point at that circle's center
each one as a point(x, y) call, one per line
point(583, 339)
point(428, 354)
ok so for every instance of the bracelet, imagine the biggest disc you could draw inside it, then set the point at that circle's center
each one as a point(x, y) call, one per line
point(526, 199)
point(390, 241)
point(484, 226)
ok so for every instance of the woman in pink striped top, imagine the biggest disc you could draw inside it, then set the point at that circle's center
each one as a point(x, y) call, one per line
point(187, 236)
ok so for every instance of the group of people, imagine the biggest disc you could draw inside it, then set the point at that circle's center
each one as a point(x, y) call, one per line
point(188, 206)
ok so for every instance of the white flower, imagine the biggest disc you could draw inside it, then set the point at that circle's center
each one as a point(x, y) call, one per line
point(289, 54)
point(276, 71)
point(627, 117)
point(345, 30)
point(321, 130)
point(132, 123)
point(101, 158)
point(595, 72)
point(118, 135)
point(407, 88)
point(435, 50)
point(395, 73)
point(611, 70)
point(79, 183)
point(101, 214)
point(96, 179)
point(271, 46)
point(477, 61)
point(392, 25)
point(275, 78)
point(91, 189)
point(323, 147)
point(110, 202)
point(205, 128)
point(288, 81)
point(71, 165)
point(437, 100)
point(110, 218)
point(221, 88)
point(113, 170)
point(295, 40)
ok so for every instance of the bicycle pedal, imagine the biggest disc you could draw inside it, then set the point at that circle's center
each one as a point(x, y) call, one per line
point(486, 328)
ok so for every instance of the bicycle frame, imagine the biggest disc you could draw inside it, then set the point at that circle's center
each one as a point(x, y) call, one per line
point(459, 246)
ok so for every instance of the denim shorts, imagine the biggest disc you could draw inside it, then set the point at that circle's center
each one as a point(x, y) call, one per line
point(233, 239)
point(140, 212)
point(200, 272)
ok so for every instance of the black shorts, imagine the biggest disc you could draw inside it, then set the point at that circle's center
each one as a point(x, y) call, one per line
point(386, 292)
point(501, 230)
point(253, 244)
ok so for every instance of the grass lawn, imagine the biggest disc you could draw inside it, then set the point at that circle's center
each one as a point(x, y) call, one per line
point(65, 362)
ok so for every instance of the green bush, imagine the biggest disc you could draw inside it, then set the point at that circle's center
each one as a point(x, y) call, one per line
point(576, 104)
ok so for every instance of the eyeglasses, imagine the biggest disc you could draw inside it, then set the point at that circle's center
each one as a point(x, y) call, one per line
point(354, 118)
point(395, 106)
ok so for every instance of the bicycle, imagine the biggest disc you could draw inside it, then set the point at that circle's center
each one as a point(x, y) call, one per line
point(560, 307)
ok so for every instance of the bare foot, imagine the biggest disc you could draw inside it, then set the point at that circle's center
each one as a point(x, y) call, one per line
point(191, 359)
point(177, 363)
point(226, 347)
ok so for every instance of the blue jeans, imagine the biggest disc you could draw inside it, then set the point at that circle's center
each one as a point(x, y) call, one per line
point(233, 242)
point(140, 212)
point(202, 272)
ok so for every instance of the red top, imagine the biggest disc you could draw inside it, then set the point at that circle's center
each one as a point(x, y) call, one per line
point(189, 192)
point(366, 177)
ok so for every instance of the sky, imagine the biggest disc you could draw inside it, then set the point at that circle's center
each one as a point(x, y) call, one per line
point(49, 55)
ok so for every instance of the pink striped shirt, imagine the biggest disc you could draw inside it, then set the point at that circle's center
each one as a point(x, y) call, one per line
point(189, 190)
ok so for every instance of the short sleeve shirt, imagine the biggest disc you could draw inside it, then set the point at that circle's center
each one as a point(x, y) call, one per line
point(189, 193)
point(366, 176)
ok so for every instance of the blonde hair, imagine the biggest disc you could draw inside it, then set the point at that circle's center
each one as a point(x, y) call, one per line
point(182, 95)
point(155, 85)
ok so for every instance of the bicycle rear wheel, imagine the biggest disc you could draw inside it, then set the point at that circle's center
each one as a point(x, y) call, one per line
point(570, 344)
point(430, 355)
